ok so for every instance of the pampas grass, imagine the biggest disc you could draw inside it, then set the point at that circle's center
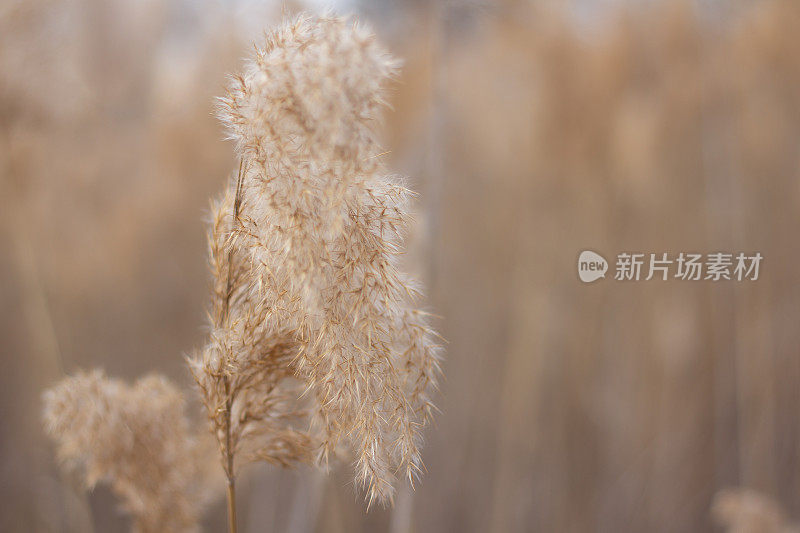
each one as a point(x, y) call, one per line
point(748, 511)
point(316, 348)
point(138, 438)
point(320, 224)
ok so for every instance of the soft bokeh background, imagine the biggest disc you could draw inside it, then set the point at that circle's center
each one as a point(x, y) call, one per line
point(533, 130)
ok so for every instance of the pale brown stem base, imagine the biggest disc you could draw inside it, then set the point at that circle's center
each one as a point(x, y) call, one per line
point(231, 506)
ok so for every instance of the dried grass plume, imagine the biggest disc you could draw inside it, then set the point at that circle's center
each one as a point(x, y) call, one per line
point(138, 439)
point(748, 511)
point(304, 254)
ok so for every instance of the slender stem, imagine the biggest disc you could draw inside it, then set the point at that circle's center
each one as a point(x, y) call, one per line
point(229, 472)
point(231, 505)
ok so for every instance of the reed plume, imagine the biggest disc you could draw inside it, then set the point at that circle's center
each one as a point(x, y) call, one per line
point(312, 319)
point(748, 511)
point(138, 439)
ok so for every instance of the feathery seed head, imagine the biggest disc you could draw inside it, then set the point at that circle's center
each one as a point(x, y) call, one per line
point(138, 439)
point(309, 299)
point(311, 91)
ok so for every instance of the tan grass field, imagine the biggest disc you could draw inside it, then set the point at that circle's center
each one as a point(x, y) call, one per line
point(531, 131)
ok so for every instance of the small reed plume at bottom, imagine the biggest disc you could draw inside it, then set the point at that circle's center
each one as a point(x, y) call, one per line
point(136, 438)
point(748, 511)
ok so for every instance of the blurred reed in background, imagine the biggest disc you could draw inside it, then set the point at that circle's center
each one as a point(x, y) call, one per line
point(532, 131)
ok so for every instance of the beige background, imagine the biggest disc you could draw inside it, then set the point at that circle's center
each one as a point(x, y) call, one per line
point(532, 131)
